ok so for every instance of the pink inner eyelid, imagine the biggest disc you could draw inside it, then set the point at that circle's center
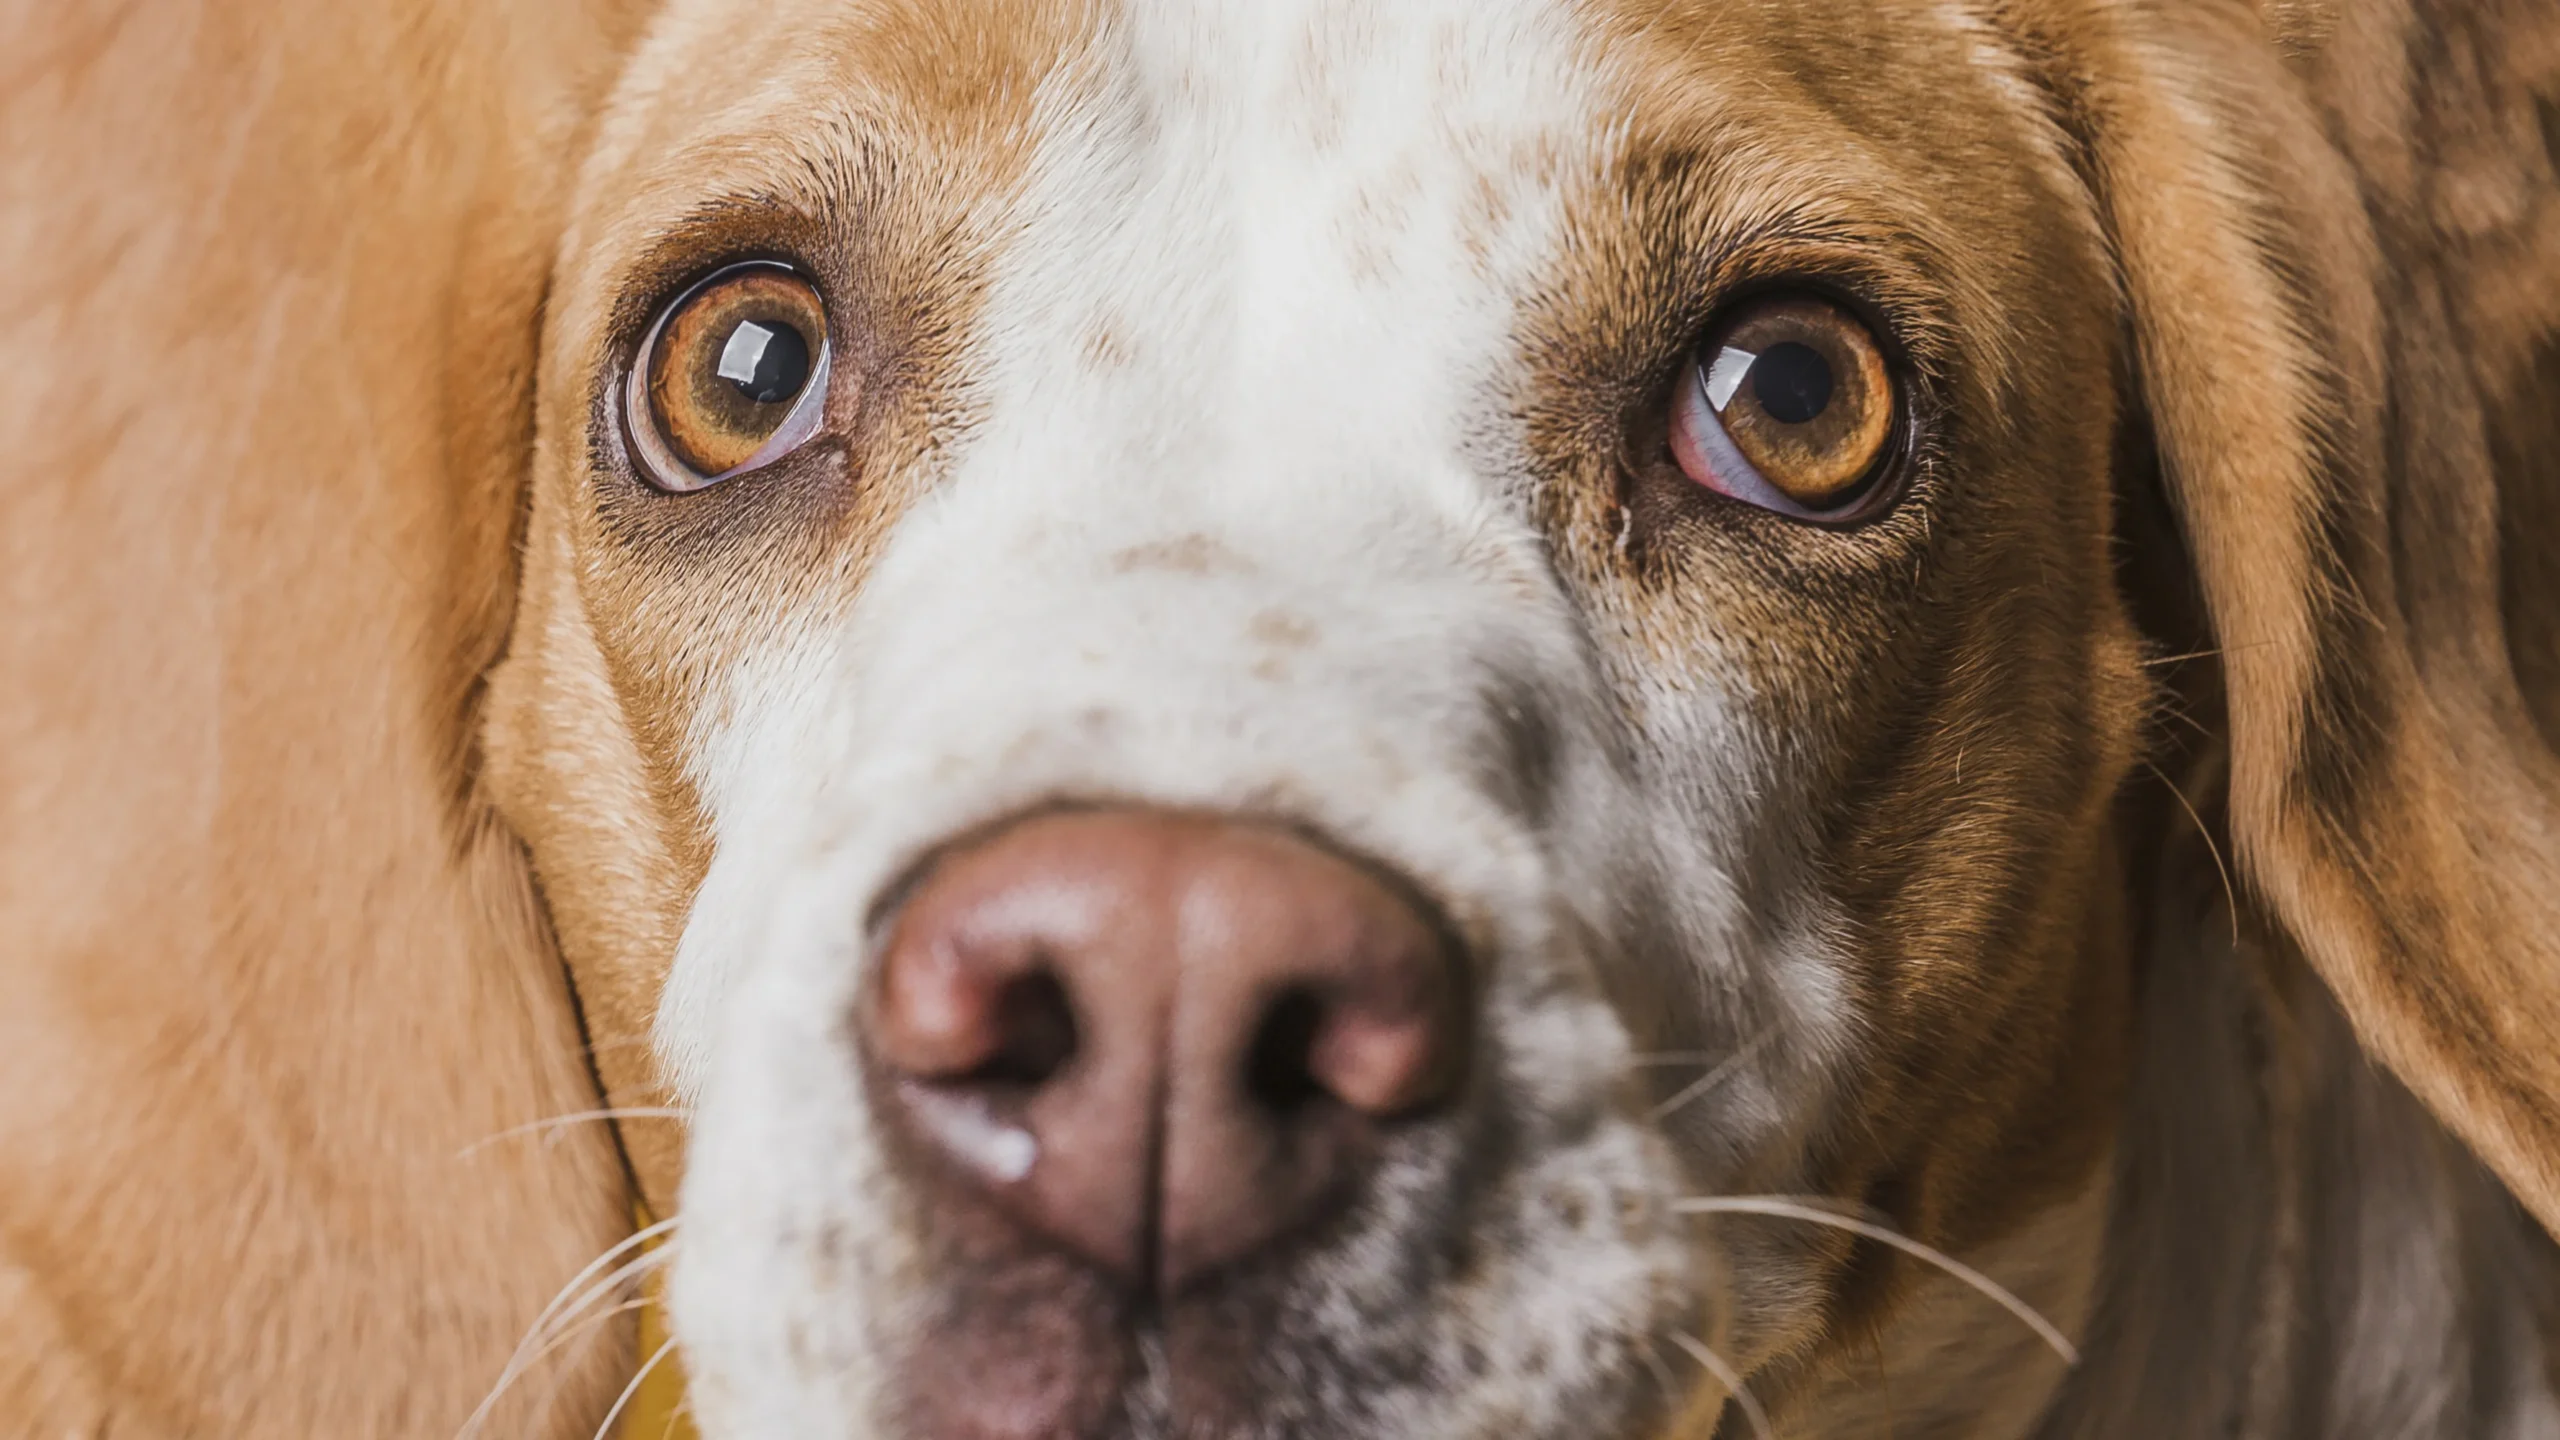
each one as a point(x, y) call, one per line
point(1706, 454)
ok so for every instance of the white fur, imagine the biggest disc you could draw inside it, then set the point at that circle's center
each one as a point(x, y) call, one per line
point(1267, 551)
point(1266, 206)
point(1271, 557)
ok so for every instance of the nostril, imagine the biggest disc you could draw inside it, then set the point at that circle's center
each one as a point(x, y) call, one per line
point(1279, 1066)
point(1393, 1041)
point(941, 1019)
point(1036, 1034)
point(1383, 1056)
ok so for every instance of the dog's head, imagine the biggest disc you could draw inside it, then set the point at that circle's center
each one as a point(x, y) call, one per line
point(1234, 693)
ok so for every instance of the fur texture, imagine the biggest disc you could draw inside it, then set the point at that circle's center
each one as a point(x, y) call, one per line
point(2127, 864)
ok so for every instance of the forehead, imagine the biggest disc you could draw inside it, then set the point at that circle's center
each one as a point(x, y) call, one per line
point(1416, 145)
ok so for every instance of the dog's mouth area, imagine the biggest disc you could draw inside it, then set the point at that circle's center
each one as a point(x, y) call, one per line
point(1385, 1316)
point(1023, 1327)
point(1040, 1345)
point(1147, 1122)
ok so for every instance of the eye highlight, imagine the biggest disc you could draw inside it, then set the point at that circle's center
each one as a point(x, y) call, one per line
point(732, 377)
point(1789, 406)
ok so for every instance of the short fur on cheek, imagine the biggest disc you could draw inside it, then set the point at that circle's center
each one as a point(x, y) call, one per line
point(1260, 416)
point(1945, 712)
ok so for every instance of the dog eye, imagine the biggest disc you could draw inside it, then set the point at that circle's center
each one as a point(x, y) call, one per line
point(1788, 406)
point(732, 377)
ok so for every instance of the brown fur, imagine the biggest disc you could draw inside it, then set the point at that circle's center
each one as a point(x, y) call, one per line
point(273, 964)
point(267, 289)
point(632, 606)
point(1973, 852)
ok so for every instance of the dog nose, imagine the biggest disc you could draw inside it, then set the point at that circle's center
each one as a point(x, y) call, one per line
point(1163, 1040)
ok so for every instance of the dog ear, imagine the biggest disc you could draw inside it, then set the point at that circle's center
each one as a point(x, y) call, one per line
point(2392, 806)
point(274, 979)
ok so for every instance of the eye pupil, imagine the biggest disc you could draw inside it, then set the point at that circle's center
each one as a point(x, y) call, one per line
point(769, 363)
point(1792, 382)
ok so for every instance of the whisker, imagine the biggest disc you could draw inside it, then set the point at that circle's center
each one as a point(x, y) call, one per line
point(664, 1349)
point(1731, 1380)
point(2157, 660)
point(636, 1270)
point(1659, 1059)
point(583, 1117)
point(535, 1334)
point(1670, 1388)
point(583, 1329)
point(2178, 713)
point(547, 1335)
point(641, 1236)
point(2230, 896)
point(1688, 1094)
point(1785, 1208)
point(2208, 653)
point(571, 1330)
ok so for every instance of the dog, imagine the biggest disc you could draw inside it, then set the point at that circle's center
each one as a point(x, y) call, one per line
point(1442, 718)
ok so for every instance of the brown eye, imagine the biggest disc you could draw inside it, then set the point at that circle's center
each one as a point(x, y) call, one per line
point(732, 377)
point(1788, 406)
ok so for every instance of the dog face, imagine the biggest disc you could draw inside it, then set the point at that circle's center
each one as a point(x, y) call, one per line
point(1480, 619)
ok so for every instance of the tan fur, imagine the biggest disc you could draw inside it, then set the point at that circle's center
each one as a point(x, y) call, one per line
point(270, 334)
point(267, 283)
point(2390, 796)
point(634, 608)
point(1991, 986)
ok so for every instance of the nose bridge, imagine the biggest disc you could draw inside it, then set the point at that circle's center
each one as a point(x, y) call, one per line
point(1234, 521)
point(1311, 273)
point(1208, 608)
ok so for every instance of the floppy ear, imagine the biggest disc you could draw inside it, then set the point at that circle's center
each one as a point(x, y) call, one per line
point(2392, 805)
point(273, 978)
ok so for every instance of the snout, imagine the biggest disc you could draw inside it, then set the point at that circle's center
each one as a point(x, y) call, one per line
point(1277, 1094)
point(1164, 1042)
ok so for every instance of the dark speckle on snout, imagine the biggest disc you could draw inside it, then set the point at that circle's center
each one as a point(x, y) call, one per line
point(1282, 630)
point(1278, 634)
point(1193, 554)
point(1106, 345)
point(1520, 762)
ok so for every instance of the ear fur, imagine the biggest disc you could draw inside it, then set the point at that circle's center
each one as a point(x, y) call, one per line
point(272, 978)
point(2392, 806)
